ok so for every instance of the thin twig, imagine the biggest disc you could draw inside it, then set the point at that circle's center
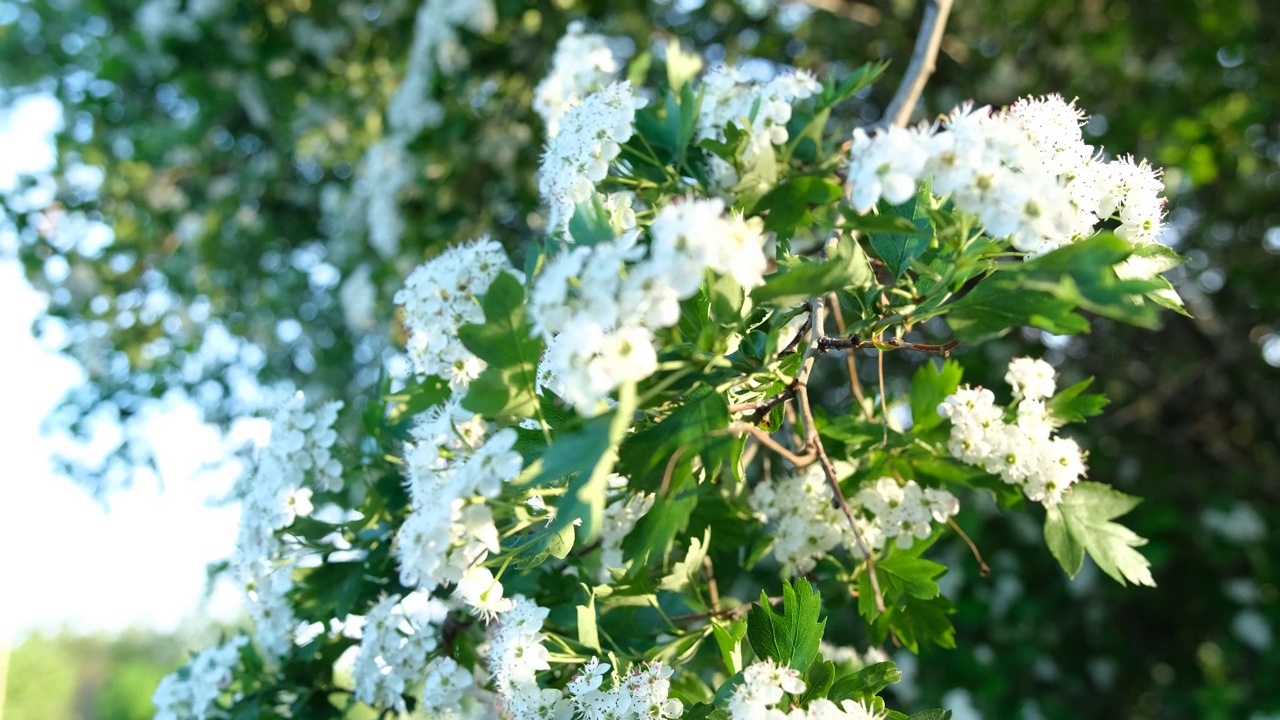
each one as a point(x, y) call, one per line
point(884, 398)
point(732, 612)
point(842, 343)
point(983, 568)
point(764, 438)
point(813, 442)
point(712, 588)
point(855, 386)
point(923, 61)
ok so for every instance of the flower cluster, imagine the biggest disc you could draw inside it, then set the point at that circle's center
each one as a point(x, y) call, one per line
point(583, 63)
point(193, 691)
point(514, 655)
point(807, 525)
point(620, 518)
point(597, 307)
point(641, 695)
point(761, 109)
point(439, 297)
point(765, 686)
point(590, 136)
point(904, 511)
point(1025, 172)
point(273, 496)
point(397, 641)
point(449, 532)
point(1024, 452)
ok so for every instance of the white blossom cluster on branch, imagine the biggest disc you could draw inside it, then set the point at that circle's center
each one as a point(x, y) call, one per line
point(1025, 172)
point(453, 466)
point(763, 695)
point(439, 297)
point(274, 495)
point(192, 692)
point(598, 306)
point(591, 134)
point(761, 109)
point(1024, 452)
point(583, 63)
point(807, 525)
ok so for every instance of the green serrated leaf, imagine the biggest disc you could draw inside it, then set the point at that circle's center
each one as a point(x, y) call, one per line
point(728, 637)
point(1071, 405)
point(864, 684)
point(929, 387)
point(790, 638)
point(821, 675)
point(684, 572)
point(846, 268)
point(1081, 522)
point(508, 385)
point(934, 714)
point(898, 250)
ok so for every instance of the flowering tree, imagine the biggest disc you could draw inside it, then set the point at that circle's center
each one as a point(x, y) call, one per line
point(612, 485)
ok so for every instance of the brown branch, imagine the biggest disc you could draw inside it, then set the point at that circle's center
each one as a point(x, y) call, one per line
point(712, 588)
point(732, 612)
point(983, 568)
point(850, 343)
point(813, 442)
point(855, 386)
point(922, 64)
point(764, 438)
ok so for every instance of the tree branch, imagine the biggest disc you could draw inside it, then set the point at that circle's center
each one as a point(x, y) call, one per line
point(921, 66)
point(813, 442)
point(840, 343)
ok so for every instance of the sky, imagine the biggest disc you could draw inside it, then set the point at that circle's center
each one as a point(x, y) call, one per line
point(65, 560)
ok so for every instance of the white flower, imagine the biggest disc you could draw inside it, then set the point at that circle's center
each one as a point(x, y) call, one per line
point(888, 165)
point(590, 137)
point(193, 691)
point(583, 63)
point(440, 296)
point(482, 592)
point(1031, 378)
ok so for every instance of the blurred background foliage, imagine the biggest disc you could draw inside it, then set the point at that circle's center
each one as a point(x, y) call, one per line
point(74, 676)
point(209, 224)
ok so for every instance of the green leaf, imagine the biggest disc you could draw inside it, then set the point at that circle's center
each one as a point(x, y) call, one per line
point(1046, 291)
point(684, 572)
point(403, 406)
point(532, 550)
point(864, 684)
point(818, 681)
point(847, 267)
point(790, 638)
point(909, 575)
point(1081, 522)
point(590, 223)
point(929, 387)
point(587, 457)
point(728, 638)
point(507, 386)
point(833, 94)
point(897, 250)
point(1070, 405)
point(588, 635)
point(999, 304)
point(934, 714)
point(787, 205)
point(706, 711)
